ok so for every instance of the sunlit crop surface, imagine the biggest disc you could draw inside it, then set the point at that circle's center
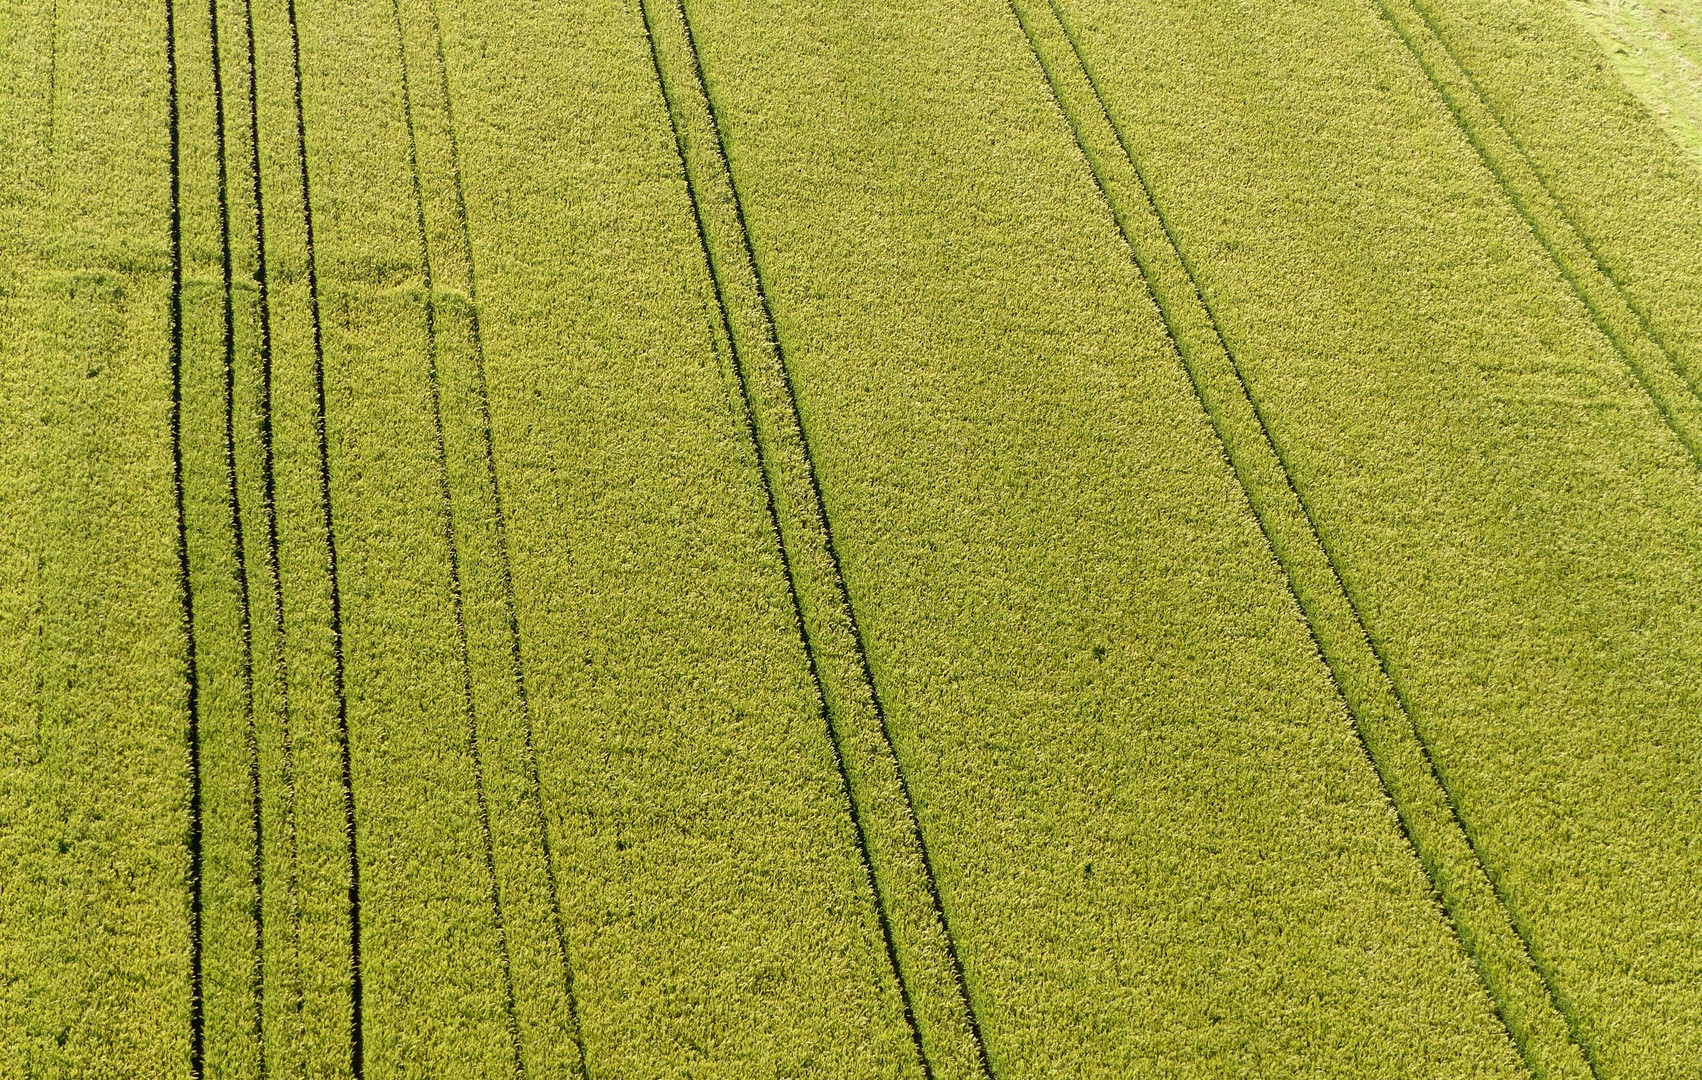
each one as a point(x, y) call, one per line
point(773, 538)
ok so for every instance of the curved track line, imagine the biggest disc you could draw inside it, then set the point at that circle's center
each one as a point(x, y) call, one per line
point(517, 671)
point(456, 599)
point(233, 506)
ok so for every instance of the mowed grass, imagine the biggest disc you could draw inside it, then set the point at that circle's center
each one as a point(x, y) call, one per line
point(727, 538)
point(1657, 52)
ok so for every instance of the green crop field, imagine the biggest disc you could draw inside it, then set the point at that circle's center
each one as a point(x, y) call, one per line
point(945, 539)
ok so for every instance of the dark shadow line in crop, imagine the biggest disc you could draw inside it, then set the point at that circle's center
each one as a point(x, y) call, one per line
point(798, 624)
point(233, 507)
point(511, 617)
point(357, 1035)
point(1567, 273)
point(771, 332)
point(269, 519)
point(186, 598)
point(469, 710)
point(1288, 476)
point(1561, 1001)
point(1589, 244)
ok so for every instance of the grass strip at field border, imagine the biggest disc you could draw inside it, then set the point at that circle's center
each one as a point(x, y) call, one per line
point(457, 602)
point(1398, 753)
point(510, 605)
point(891, 846)
point(174, 423)
point(1670, 388)
point(245, 631)
point(357, 1048)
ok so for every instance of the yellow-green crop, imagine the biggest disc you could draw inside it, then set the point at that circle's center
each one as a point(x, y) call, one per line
point(771, 538)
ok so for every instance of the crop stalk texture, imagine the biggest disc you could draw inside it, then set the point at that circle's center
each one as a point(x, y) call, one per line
point(1429, 816)
point(723, 538)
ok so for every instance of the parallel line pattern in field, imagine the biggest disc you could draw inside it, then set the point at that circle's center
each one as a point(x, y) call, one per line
point(245, 631)
point(505, 570)
point(174, 422)
point(357, 1041)
point(937, 1004)
point(1649, 358)
point(1395, 748)
point(269, 522)
point(724, 330)
point(1589, 243)
point(1625, 326)
point(457, 602)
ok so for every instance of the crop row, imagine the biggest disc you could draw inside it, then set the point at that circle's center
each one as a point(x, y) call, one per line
point(457, 922)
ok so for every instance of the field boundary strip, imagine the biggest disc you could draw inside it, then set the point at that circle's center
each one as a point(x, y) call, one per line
point(510, 603)
point(934, 991)
point(1519, 992)
point(1625, 326)
point(174, 422)
point(469, 710)
point(357, 1038)
point(269, 518)
point(245, 630)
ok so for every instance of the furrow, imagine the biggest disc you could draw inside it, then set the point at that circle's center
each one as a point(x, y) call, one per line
point(357, 1054)
point(1392, 743)
point(938, 1004)
point(455, 591)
